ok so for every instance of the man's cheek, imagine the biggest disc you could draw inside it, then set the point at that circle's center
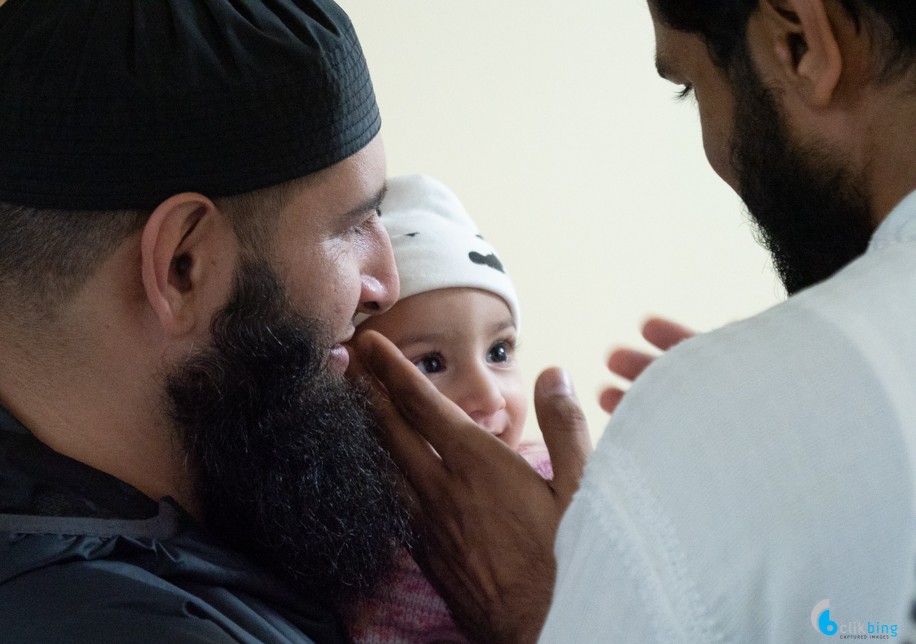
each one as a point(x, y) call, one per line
point(717, 146)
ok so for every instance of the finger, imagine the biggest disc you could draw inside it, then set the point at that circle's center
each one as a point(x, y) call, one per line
point(564, 428)
point(628, 363)
point(409, 496)
point(610, 398)
point(412, 504)
point(356, 370)
point(445, 561)
point(415, 458)
point(665, 333)
point(411, 500)
point(418, 403)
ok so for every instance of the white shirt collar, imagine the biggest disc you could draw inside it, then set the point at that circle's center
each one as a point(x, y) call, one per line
point(899, 225)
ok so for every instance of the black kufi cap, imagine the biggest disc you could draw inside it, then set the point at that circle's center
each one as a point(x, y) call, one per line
point(110, 104)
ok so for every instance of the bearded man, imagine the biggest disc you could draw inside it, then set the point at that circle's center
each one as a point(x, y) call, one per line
point(189, 222)
point(757, 483)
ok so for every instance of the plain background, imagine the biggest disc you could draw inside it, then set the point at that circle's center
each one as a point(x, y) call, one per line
point(549, 122)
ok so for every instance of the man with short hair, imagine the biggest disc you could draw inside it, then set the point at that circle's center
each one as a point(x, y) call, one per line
point(189, 222)
point(757, 483)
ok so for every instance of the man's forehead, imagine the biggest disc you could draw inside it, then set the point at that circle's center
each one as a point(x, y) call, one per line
point(676, 52)
point(662, 43)
point(664, 57)
point(348, 187)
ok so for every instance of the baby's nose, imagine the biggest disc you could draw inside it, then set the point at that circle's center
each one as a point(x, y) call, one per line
point(485, 401)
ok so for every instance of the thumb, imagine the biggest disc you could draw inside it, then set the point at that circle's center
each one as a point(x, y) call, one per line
point(564, 429)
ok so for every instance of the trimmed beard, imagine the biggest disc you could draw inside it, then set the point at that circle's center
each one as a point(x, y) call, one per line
point(810, 212)
point(282, 453)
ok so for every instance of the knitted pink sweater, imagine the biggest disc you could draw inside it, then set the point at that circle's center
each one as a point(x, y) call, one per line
point(405, 609)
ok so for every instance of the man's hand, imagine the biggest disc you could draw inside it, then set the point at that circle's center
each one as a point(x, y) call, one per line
point(486, 521)
point(629, 363)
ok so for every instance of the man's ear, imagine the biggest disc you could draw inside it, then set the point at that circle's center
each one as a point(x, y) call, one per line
point(804, 48)
point(188, 253)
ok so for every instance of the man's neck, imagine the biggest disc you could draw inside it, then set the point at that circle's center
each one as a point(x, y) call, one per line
point(75, 396)
point(889, 157)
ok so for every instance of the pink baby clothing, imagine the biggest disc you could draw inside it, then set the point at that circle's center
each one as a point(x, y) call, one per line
point(405, 608)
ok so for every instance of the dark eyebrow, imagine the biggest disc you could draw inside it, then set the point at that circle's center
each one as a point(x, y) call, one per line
point(372, 203)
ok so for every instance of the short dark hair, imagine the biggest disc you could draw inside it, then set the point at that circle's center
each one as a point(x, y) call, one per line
point(47, 255)
point(723, 25)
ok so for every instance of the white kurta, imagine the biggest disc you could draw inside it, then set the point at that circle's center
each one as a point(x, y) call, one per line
point(756, 471)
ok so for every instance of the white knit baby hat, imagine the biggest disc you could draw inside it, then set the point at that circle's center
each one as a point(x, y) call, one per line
point(436, 244)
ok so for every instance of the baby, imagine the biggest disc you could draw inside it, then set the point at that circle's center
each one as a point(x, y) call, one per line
point(457, 320)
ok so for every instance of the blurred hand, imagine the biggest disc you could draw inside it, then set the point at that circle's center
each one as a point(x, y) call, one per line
point(486, 521)
point(630, 363)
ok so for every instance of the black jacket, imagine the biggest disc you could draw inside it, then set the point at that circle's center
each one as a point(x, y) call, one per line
point(85, 557)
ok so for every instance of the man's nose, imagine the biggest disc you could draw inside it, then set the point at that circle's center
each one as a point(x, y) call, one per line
point(379, 284)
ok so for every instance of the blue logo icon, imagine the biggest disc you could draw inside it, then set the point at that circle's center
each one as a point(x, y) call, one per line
point(820, 619)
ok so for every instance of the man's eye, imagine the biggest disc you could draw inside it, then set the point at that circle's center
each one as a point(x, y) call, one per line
point(430, 363)
point(685, 93)
point(364, 226)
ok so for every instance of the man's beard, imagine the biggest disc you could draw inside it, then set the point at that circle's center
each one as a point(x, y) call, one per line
point(811, 213)
point(282, 453)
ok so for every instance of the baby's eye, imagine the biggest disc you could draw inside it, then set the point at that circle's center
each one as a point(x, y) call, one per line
point(430, 363)
point(501, 352)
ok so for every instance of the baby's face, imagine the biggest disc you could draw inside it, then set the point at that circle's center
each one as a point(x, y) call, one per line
point(463, 339)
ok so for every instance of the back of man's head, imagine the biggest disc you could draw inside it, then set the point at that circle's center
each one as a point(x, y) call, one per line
point(108, 107)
